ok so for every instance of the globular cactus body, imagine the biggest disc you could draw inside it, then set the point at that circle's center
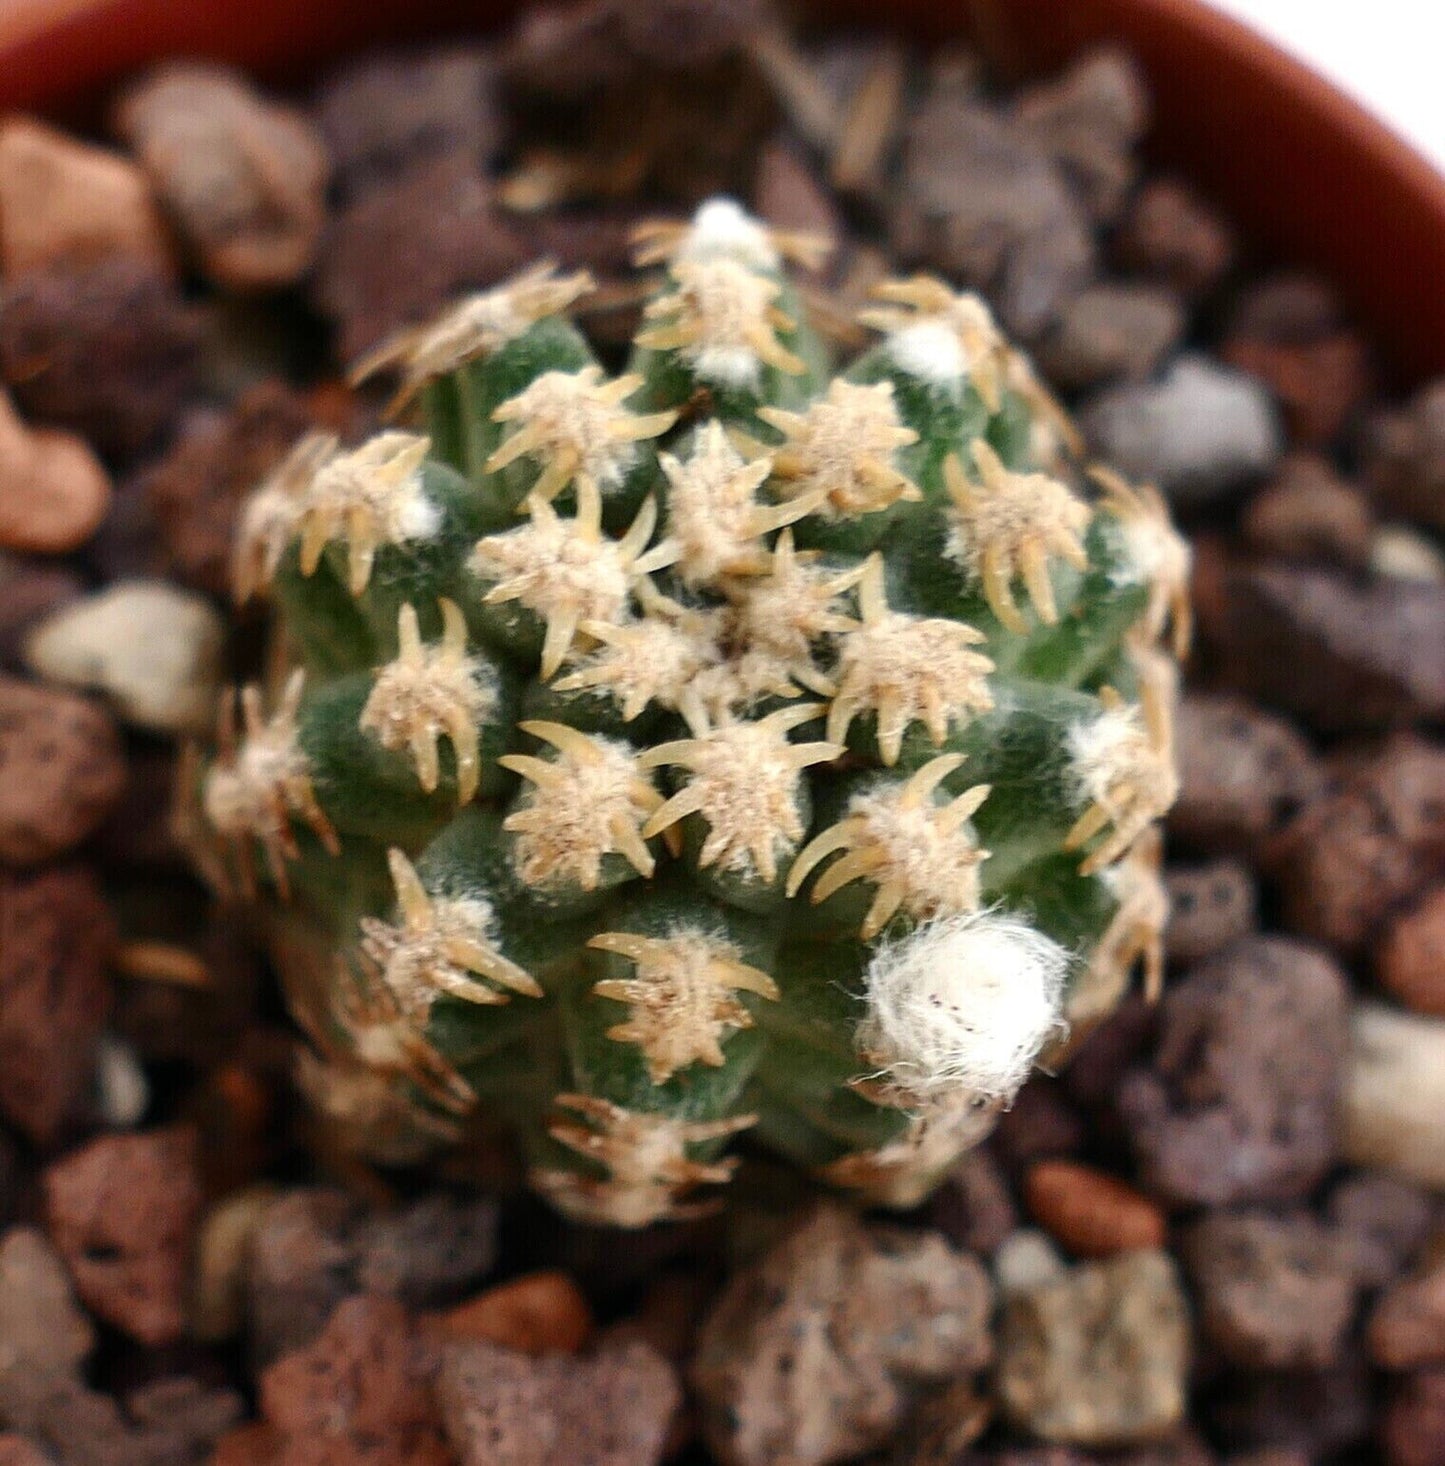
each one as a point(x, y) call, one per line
point(716, 746)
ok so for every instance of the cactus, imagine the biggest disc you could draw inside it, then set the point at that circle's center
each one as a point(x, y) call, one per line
point(718, 747)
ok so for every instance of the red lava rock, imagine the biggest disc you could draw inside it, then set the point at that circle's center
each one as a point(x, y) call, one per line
point(56, 936)
point(502, 1408)
point(15, 1450)
point(467, 244)
point(61, 770)
point(1089, 1212)
point(384, 115)
point(1320, 384)
point(243, 178)
point(1171, 235)
point(1407, 1328)
point(1405, 456)
point(541, 1313)
point(196, 490)
point(1275, 1292)
point(1410, 959)
point(429, 1252)
point(1383, 1220)
point(121, 1211)
point(1243, 773)
point(972, 1209)
point(1347, 861)
point(812, 1353)
point(1412, 1429)
point(256, 1444)
point(1240, 1101)
point(109, 351)
point(53, 490)
point(359, 1392)
point(63, 200)
point(1307, 512)
point(1337, 653)
point(1210, 906)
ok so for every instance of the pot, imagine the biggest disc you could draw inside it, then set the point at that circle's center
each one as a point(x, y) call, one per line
point(1305, 172)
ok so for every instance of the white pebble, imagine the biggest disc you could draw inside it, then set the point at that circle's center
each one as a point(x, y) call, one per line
point(1394, 1101)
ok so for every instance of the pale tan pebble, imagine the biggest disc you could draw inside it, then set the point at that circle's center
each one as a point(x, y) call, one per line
point(154, 650)
point(219, 1265)
point(1400, 553)
point(67, 202)
point(54, 492)
point(1394, 1093)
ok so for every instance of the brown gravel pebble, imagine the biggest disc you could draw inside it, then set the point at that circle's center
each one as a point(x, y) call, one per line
point(1339, 654)
point(1090, 1212)
point(109, 351)
point(502, 1408)
point(1412, 1429)
point(63, 201)
point(1410, 958)
point(1274, 1291)
point(1383, 1220)
point(1349, 860)
point(196, 490)
point(541, 1313)
point(62, 769)
point(1170, 234)
point(467, 244)
point(42, 1327)
point(15, 1450)
point(358, 1393)
point(56, 936)
point(1109, 331)
point(973, 1209)
point(122, 1211)
point(1041, 1123)
point(812, 1354)
point(1243, 773)
point(1210, 906)
point(29, 591)
point(54, 492)
point(384, 115)
point(1240, 1103)
point(1405, 456)
point(1407, 1328)
point(1307, 512)
point(243, 178)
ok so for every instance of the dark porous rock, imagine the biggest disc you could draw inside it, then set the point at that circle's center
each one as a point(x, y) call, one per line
point(1274, 1291)
point(1109, 331)
point(1040, 1124)
point(1171, 235)
point(1089, 121)
point(1096, 1067)
point(1240, 1101)
point(1314, 1411)
point(1339, 653)
point(61, 770)
point(973, 1208)
point(56, 937)
point(816, 1352)
point(467, 244)
point(1407, 1328)
point(1308, 513)
point(1383, 1220)
point(686, 33)
point(389, 113)
point(504, 1408)
point(1287, 331)
point(989, 207)
point(1412, 1429)
point(1097, 1356)
point(1410, 957)
point(122, 1211)
point(29, 591)
point(1210, 906)
point(242, 177)
point(110, 351)
point(564, 51)
point(358, 1393)
point(1350, 860)
point(1405, 457)
point(1200, 432)
point(197, 489)
point(1244, 773)
point(430, 1252)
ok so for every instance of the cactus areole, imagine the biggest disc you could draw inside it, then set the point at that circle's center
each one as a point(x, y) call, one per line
point(728, 745)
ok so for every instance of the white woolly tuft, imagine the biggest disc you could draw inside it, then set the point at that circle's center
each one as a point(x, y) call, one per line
point(722, 226)
point(963, 1005)
point(1105, 750)
point(932, 352)
point(419, 518)
point(727, 366)
point(1153, 552)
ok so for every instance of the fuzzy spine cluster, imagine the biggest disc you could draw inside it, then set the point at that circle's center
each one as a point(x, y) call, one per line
point(727, 744)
